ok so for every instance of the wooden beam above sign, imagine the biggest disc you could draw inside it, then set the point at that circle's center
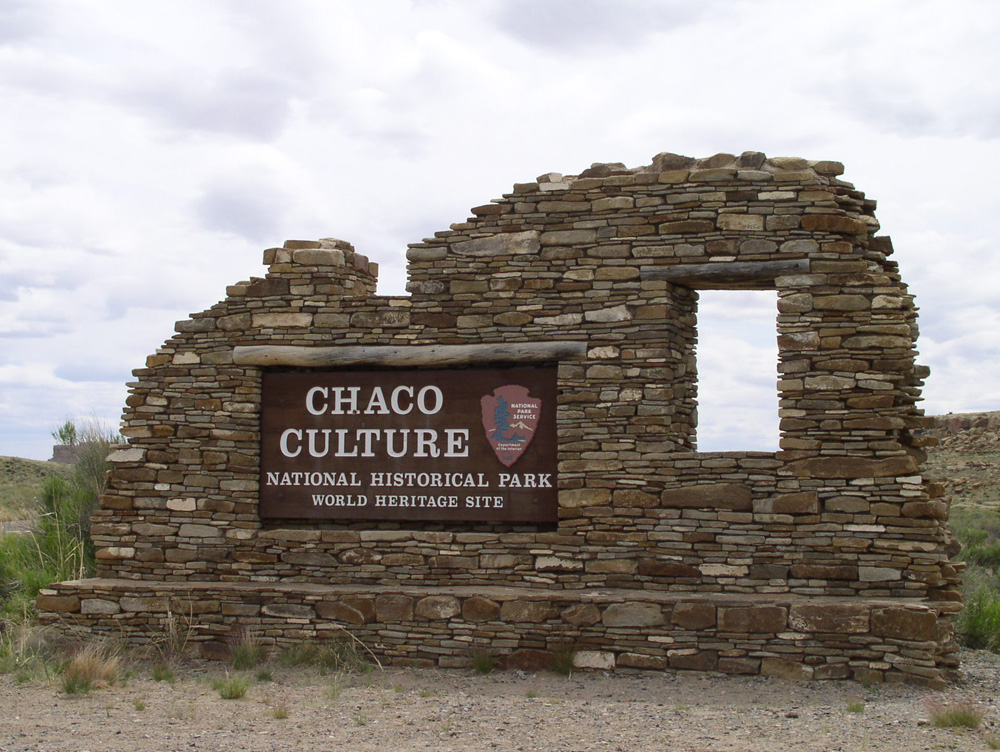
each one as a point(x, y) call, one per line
point(407, 356)
point(727, 274)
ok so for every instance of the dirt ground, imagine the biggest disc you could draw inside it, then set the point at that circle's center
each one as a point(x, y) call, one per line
point(423, 709)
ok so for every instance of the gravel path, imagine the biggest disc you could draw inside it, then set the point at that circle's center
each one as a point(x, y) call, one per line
point(403, 709)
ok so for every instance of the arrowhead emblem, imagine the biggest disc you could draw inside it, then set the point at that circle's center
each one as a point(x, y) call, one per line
point(510, 419)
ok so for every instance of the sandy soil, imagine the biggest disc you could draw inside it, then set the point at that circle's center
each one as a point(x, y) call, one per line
point(404, 709)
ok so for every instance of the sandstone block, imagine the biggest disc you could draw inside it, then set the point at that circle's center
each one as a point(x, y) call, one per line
point(599, 660)
point(833, 223)
point(905, 624)
point(569, 237)
point(503, 244)
point(853, 467)
point(741, 222)
point(838, 618)
point(584, 497)
point(526, 611)
point(582, 615)
point(666, 568)
point(734, 496)
point(289, 611)
point(392, 608)
point(753, 619)
point(308, 559)
point(476, 609)
point(58, 604)
point(437, 607)
point(633, 615)
point(694, 660)
point(806, 502)
point(608, 315)
point(694, 616)
point(780, 668)
point(99, 606)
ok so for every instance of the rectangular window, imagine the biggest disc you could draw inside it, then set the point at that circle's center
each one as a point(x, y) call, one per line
point(737, 370)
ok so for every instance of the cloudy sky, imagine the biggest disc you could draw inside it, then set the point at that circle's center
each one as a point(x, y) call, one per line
point(151, 149)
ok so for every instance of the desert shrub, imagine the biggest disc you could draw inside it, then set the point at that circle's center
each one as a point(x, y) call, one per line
point(343, 654)
point(96, 665)
point(978, 624)
point(247, 650)
point(483, 661)
point(956, 714)
point(60, 547)
point(27, 651)
point(52, 553)
point(563, 657)
point(161, 671)
point(232, 687)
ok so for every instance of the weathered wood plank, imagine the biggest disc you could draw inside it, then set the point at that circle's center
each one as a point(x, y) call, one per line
point(404, 356)
point(726, 273)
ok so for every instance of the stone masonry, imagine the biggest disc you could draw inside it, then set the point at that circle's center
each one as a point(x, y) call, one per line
point(825, 559)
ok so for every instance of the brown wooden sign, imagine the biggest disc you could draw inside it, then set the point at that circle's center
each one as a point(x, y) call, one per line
point(421, 445)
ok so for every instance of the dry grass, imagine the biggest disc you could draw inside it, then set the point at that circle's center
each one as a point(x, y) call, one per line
point(95, 665)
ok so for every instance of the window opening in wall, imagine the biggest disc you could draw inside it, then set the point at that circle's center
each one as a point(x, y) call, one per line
point(737, 370)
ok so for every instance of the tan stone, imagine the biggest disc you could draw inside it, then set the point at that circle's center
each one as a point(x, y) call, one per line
point(518, 243)
point(476, 609)
point(582, 615)
point(393, 608)
point(735, 496)
point(633, 615)
point(853, 467)
point(437, 607)
point(526, 611)
point(753, 619)
point(905, 623)
point(839, 618)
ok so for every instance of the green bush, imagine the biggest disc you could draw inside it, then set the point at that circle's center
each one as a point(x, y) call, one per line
point(978, 623)
point(232, 687)
point(54, 552)
point(327, 655)
point(60, 547)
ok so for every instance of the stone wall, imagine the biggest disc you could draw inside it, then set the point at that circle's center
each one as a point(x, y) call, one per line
point(611, 259)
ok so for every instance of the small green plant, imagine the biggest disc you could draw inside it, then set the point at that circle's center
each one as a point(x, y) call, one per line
point(855, 705)
point(163, 672)
point(76, 685)
point(956, 714)
point(333, 688)
point(279, 710)
point(563, 657)
point(360, 718)
point(344, 654)
point(426, 693)
point(247, 649)
point(139, 704)
point(531, 694)
point(483, 661)
point(232, 687)
point(265, 674)
point(992, 741)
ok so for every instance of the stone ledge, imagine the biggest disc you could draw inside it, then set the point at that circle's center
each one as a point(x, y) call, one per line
point(609, 627)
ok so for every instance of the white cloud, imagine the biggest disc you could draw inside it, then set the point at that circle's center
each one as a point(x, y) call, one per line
point(152, 151)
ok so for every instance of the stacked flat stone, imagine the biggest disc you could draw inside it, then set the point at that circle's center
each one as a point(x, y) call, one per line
point(827, 558)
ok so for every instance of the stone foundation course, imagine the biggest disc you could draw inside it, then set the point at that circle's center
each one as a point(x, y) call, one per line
point(827, 558)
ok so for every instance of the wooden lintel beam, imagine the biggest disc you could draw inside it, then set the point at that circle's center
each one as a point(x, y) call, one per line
point(407, 356)
point(725, 274)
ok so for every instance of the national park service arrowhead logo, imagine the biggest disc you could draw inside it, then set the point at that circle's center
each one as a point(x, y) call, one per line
point(510, 418)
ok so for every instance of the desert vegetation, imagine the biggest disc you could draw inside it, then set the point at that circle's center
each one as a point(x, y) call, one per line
point(55, 503)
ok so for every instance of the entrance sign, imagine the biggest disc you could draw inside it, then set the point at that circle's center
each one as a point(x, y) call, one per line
point(419, 445)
